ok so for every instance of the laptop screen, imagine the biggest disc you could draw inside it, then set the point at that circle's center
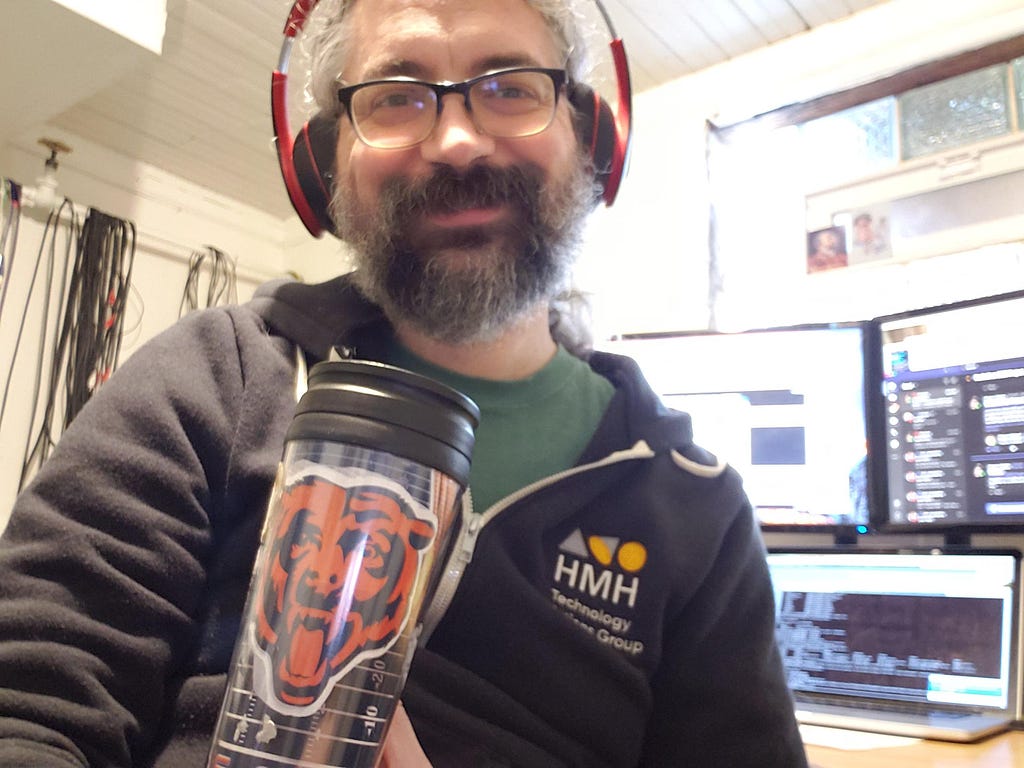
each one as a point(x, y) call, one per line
point(784, 406)
point(929, 628)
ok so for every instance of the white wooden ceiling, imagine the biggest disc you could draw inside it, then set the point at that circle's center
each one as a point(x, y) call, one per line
point(202, 109)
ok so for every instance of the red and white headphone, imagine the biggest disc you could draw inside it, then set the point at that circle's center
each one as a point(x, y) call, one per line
point(307, 159)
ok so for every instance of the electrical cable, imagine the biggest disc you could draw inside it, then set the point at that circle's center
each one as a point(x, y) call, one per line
point(99, 292)
point(222, 286)
point(136, 308)
point(47, 247)
point(88, 344)
point(53, 267)
point(6, 215)
point(10, 216)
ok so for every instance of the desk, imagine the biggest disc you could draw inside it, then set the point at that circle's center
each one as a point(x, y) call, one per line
point(1002, 751)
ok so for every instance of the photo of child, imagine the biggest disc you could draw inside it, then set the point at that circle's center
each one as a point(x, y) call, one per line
point(869, 236)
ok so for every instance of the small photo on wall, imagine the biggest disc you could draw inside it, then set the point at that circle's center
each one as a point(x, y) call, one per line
point(869, 235)
point(826, 249)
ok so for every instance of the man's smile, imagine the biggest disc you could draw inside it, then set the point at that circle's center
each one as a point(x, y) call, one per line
point(467, 217)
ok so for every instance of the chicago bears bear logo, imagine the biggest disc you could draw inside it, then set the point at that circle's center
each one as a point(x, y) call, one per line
point(336, 589)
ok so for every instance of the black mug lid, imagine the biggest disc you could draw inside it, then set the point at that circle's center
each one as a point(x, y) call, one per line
point(388, 408)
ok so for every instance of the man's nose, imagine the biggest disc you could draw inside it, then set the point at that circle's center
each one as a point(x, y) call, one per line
point(455, 140)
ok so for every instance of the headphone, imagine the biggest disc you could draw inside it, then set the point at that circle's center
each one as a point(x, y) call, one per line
point(307, 160)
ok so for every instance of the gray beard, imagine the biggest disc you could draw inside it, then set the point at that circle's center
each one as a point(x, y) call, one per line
point(472, 284)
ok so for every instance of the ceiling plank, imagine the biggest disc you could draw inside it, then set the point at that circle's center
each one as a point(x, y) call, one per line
point(776, 21)
point(682, 48)
point(818, 12)
point(729, 27)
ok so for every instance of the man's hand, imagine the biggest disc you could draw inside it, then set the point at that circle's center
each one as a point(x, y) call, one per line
point(401, 747)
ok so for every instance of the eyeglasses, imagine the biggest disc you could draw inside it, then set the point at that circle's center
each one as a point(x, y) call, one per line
point(400, 113)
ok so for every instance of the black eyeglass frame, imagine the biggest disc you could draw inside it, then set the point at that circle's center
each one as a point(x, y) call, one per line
point(559, 78)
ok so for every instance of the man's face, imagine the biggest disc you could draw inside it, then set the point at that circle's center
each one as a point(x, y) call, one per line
point(463, 233)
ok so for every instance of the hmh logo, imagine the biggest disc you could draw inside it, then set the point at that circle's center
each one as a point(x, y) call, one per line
point(576, 569)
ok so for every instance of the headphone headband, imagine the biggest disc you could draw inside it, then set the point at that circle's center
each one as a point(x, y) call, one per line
point(307, 159)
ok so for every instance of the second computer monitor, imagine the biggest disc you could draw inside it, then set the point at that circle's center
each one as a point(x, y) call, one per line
point(785, 406)
point(952, 379)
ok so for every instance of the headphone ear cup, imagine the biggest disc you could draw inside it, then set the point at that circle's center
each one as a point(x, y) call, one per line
point(595, 129)
point(313, 158)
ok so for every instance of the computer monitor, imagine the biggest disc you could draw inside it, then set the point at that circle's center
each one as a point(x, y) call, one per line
point(785, 406)
point(952, 379)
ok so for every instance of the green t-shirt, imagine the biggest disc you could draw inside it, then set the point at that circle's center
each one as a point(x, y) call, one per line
point(530, 428)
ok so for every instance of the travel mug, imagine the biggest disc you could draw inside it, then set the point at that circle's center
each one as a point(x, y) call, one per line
point(362, 514)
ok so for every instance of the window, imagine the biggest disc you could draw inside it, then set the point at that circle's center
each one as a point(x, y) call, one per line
point(892, 167)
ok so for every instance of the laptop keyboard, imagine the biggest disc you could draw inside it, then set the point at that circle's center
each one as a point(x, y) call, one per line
point(867, 705)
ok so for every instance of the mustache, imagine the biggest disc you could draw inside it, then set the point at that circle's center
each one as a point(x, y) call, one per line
point(448, 190)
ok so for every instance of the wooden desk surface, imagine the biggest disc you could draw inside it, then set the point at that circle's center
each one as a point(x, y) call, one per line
point(1002, 751)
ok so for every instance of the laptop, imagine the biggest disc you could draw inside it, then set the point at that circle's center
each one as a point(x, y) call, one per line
point(910, 643)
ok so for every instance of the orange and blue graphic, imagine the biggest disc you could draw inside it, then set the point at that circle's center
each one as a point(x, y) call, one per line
point(337, 587)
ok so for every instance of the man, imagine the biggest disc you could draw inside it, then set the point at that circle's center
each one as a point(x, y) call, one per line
point(616, 609)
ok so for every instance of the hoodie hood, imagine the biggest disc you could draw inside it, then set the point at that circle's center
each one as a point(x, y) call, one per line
point(335, 314)
point(637, 412)
point(321, 316)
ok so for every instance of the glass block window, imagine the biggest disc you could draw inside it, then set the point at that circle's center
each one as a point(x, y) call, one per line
point(954, 112)
point(849, 144)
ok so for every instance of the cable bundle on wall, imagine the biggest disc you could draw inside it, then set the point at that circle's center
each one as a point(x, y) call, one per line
point(59, 240)
point(88, 338)
point(94, 317)
point(221, 287)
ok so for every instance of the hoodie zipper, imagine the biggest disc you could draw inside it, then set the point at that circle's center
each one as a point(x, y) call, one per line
point(465, 545)
point(457, 561)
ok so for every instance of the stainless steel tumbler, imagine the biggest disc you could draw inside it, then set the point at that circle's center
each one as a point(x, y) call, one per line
point(365, 504)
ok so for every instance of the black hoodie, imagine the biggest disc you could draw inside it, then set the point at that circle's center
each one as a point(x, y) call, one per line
point(619, 614)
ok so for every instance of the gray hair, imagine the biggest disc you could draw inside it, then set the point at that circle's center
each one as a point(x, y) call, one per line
point(328, 38)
